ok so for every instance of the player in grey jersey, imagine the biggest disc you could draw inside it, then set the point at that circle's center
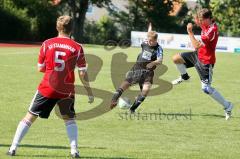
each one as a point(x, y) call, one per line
point(143, 70)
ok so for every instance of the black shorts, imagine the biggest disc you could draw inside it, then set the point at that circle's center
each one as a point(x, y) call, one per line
point(42, 106)
point(204, 70)
point(139, 75)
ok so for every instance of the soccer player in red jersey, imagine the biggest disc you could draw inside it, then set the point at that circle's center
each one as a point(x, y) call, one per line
point(203, 58)
point(58, 58)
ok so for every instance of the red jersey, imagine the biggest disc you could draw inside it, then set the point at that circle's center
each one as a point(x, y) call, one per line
point(209, 37)
point(59, 56)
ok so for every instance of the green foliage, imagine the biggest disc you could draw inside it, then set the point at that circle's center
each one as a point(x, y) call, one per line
point(27, 20)
point(100, 32)
point(77, 9)
point(35, 20)
point(43, 17)
point(140, 13)
point(158, 12)
point(101, 3)
point(125, 21)
point(14, 22)
point(227, 14)
point(184, 17)
point(204, 3)
point(108, 31)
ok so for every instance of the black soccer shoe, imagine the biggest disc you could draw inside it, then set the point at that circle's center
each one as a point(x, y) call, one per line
point(113, 104)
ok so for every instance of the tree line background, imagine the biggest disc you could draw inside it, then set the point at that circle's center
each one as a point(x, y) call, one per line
point(31, 20)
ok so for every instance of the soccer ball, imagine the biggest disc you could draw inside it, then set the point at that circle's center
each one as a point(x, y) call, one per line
point(124, 103)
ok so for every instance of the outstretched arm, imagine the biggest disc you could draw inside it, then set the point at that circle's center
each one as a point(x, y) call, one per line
point(83, 75)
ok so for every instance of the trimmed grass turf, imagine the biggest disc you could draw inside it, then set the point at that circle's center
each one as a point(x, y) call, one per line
point(206, 135)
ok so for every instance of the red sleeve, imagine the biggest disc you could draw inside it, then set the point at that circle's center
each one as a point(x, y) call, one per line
point(41, 56)
point(81, 62)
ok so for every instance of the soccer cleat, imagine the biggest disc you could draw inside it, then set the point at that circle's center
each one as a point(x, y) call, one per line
point(115, 98)
point(11, 153)
point(179, 80)
point(113, 104)
point(228, 111)
point(131, 111)
point(75, 155)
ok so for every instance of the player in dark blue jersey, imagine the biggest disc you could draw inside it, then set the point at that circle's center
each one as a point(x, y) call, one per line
point(143, 71)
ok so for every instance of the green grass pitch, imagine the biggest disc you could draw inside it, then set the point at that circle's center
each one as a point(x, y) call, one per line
point(206, 135)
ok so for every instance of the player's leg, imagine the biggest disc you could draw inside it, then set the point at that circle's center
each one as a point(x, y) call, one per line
point(182, 62)
point(124, 86)
point(21, 131)
point(205, 73)
point(24, 126)
point(66, 107)
point(141, 97)
point(40, 106)
point(132, 77)
point(227, 106)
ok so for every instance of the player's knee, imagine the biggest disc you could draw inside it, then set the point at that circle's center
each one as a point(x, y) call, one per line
point(30, 117)
point(69, 121)
point(145, 91)
point(207, 89)
point(67, 118)
point(176, 59)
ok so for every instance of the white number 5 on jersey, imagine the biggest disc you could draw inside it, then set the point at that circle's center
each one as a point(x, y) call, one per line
point(57, 60)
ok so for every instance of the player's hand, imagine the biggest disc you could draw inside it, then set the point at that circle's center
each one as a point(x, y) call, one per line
point(189, 27)
point(149, 66)
point(90, 99)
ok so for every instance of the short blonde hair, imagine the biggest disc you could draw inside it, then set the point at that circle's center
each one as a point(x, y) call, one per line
point(64, 24)
point(204, 13)
point(152, 35)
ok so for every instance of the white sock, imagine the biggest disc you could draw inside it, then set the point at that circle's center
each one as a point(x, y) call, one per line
point(181, 68)
point(72, 132)
point(219, 98)
point(22, 129)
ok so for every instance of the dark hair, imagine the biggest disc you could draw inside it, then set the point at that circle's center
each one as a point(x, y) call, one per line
point(205, 13)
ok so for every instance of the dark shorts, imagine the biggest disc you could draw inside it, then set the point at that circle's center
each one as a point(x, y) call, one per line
point(42, 106)
point(204, 70)
point(139, 75)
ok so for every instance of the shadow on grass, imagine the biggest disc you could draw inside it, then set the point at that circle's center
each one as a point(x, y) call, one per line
point(90, 157)
point(42, 156)
point(52, 147)
point(68, 157)
point(60, 148)
point(211, 115)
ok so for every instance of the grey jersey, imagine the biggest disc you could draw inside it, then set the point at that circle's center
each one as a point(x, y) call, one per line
point(149, 54)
